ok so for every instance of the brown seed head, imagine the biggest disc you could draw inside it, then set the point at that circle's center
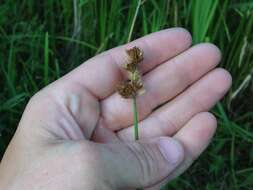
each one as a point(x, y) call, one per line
point(132, 87)
point(135, 56)
point(126, 89)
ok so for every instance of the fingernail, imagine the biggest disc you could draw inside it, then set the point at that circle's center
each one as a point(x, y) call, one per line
point(171, 149)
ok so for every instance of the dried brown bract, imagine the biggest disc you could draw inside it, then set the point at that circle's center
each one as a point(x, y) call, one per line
point(126, 89)
point(135, 56)
point(129, 89)
point(133, 86)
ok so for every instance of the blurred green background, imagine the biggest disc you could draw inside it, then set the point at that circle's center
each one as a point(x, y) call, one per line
point(42, 40)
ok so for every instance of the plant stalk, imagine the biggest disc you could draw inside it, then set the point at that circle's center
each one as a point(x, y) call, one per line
point(135, 110)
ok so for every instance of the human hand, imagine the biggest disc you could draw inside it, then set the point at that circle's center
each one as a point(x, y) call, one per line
point(77, 132)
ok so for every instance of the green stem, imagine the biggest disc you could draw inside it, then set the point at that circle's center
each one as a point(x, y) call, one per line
point(135, 110)
point(136, 132)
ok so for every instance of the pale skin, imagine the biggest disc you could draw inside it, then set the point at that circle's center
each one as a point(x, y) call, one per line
point(77, 132)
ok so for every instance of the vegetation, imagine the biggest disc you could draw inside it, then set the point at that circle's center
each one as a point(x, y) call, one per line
point(42, 40)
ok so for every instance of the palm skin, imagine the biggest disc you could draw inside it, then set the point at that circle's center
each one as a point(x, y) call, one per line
point(76, 132)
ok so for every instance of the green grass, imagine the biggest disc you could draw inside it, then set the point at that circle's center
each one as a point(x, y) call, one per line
point(41, 41)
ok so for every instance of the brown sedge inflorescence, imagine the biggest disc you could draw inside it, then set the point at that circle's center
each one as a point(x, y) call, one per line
point(133, 86)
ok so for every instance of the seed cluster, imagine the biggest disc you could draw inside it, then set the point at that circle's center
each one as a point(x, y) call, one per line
point(133, 85)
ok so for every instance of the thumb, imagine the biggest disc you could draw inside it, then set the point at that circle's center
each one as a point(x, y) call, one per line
point(140, 164)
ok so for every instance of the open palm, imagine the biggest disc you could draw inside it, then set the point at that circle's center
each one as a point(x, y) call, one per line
point(181, 85)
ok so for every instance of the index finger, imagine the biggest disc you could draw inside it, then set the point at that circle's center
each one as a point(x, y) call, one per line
point(101, 74)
